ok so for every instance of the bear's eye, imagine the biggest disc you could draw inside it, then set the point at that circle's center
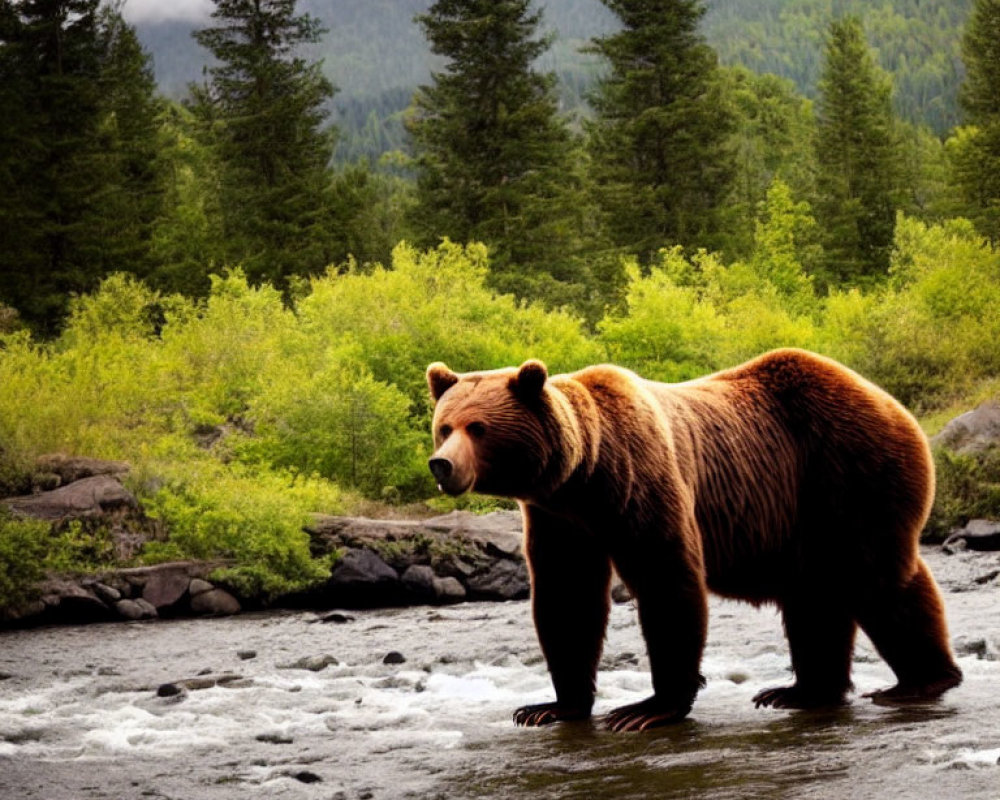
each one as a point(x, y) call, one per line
point(476, 429)
point(444, 431)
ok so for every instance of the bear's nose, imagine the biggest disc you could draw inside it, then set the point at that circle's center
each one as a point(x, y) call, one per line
point(441, 468)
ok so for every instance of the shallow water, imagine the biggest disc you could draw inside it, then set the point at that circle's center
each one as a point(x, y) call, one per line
point(80, 717)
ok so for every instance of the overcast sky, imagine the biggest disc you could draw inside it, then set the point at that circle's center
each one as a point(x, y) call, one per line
point(159, 10)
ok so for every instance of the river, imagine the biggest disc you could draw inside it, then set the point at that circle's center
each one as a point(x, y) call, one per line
point(80, 714)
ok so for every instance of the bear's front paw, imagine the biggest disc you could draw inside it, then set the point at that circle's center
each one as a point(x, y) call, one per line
point(547, 713)
point(650, 713)
point(796, 697)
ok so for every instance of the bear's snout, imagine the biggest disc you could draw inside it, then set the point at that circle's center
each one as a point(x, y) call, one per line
point(441, 469)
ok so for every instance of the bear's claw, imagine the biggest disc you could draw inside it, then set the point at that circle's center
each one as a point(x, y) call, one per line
point(794, 697)
point(547, 713)
point(650, 713)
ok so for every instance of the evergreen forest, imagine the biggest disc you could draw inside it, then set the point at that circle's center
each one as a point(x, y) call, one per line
point(230, 246)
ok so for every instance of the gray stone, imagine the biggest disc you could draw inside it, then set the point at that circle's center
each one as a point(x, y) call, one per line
point(148, 609)
point(84, 498)
point(501, 580)
point(311, 663)
point(978, 534)
point(448, 590)
point(199, 586)
point(972, 432)
point(165, 587)
point(129, 609)
point(620, 592)
point(362, 567)
point(70, 469)
point(246, 655)
point(217, 602)
point(419, 579)
point(108, 594)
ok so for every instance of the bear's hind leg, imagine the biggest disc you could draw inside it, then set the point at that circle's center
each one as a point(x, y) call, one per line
point(821, 640)
point(908, 628)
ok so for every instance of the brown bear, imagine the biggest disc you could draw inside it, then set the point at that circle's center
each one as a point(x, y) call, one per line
point(789, 479)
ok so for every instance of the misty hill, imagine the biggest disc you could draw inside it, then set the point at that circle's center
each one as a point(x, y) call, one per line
point(376, 55)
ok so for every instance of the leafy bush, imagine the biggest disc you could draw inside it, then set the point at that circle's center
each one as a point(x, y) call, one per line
point(254, 520)
point(968, 487)
point(930, 334)
point(22, 556)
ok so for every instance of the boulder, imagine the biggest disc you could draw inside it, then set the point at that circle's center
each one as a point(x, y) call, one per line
point(108, 594)
point(419, 579)
point(215, 602)
point(199, 586)
point(501, 580)
point(84, 498)
point(131, 610)
point(69, 602)
point(978, 534)
point(70, 469)
point(448, 590)
point(311, 663)
point(972, 432)
point(497, 534)
point(166, 586)
point(361, 579)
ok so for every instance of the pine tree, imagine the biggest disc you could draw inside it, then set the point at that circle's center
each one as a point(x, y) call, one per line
point(132, 196)
point(857, 154)
point(977, 165)
point(659, 140)
point(73, 174)
point(494, 161)
point(263, 110)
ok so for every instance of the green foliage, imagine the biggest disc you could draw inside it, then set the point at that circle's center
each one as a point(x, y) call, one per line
point(968, 487)
point(253, 519)
point(930, 335)
point(22, 555)
point(435, 306)
point(687, 317)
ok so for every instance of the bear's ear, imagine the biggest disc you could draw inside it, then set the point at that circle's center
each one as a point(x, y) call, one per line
point(440, 379)
point(530, 379)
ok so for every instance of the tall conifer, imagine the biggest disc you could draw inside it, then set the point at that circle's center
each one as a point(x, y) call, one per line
point(263, 110)
point(659, 140)
point(494, 161)
point(76, 189)
point(978, 168)
point(857, 154)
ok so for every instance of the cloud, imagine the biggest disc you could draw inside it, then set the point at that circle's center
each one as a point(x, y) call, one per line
point(139, 11)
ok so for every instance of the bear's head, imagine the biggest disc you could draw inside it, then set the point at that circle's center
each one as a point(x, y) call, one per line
point(504, 432)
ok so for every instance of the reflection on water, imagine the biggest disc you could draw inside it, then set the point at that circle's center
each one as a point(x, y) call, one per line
point(80, 716)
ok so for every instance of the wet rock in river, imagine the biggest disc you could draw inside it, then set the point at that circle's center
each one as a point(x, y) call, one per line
point(311, 663)
point(215, 602)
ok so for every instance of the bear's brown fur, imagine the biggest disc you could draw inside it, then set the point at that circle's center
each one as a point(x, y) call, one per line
point(788, 480)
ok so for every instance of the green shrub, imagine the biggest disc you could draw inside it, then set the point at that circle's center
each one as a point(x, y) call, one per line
point(254, 520)
point(968, 487)
point(23, 546)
